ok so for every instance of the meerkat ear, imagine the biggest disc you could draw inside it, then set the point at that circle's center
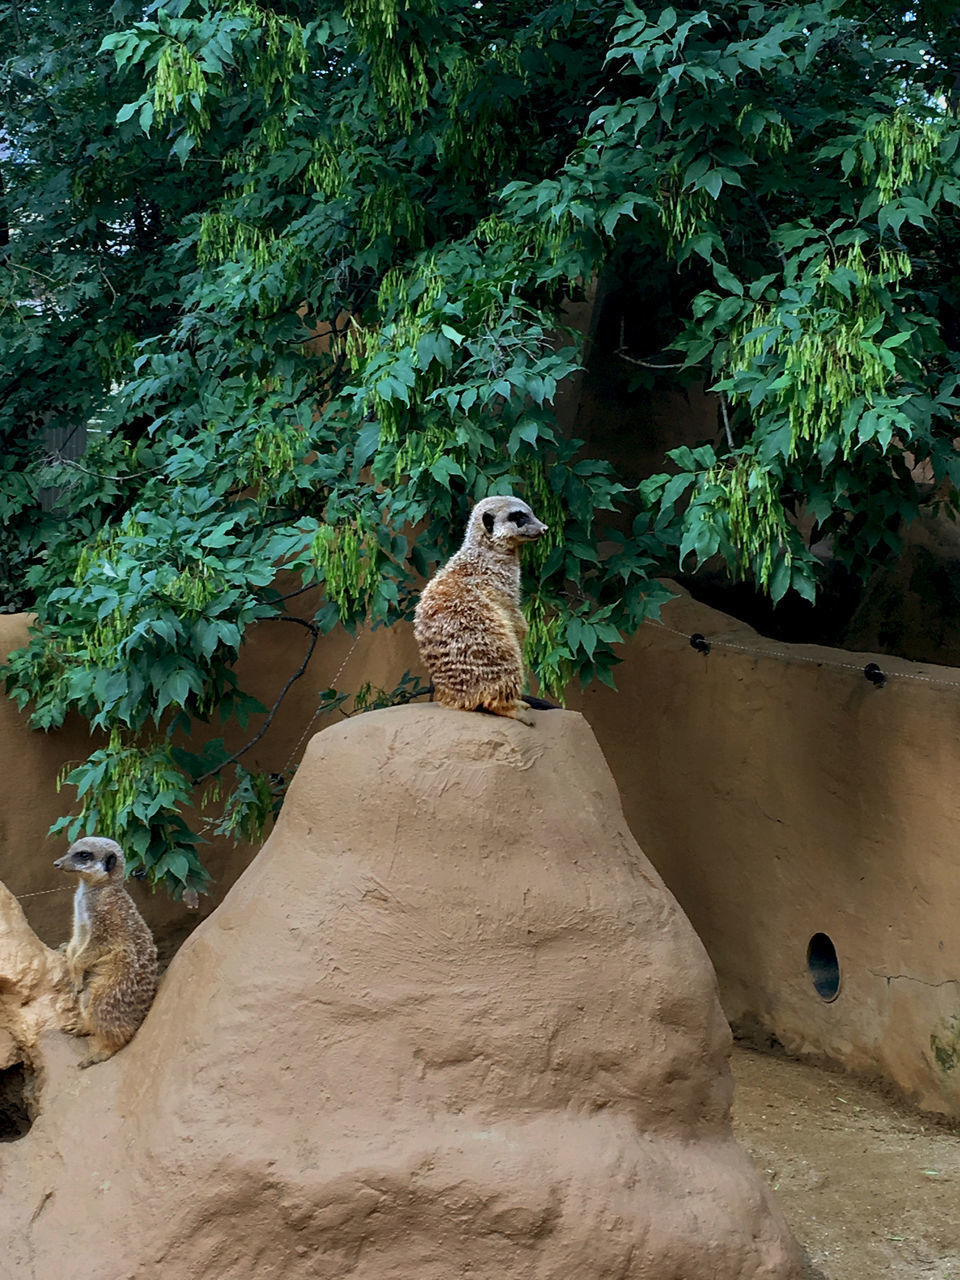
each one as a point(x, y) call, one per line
point(109, 862)
point(488, 521)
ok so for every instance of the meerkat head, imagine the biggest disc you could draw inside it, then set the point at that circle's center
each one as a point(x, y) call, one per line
point(95, 859)
point(503, 523)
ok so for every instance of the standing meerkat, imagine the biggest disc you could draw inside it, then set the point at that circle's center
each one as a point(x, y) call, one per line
point(111, 957)
point(468, 623)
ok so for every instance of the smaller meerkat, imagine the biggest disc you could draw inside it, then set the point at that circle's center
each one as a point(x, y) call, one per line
point(111, 957)
point(468, 623)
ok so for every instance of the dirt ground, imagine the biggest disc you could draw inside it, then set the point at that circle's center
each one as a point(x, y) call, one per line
point(871, 1190)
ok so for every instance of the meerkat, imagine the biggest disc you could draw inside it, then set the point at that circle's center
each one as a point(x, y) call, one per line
point(468, 623)
point(111, 957)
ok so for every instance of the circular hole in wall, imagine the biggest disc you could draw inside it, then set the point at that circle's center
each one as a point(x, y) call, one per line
point(824, 966)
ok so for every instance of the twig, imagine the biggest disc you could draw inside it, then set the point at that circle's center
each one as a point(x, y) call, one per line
point(301, 622)
point(107, 281)
point(621, 351)
point(311, 586)
point(56, 458)
point(31, 271)
point(647, 364)
point(726, 420)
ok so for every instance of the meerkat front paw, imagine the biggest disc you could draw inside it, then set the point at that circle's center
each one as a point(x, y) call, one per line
point(99, 1055)
point(525, 717)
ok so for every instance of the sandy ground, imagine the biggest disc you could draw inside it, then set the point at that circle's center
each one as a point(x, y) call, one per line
point(871, 1190)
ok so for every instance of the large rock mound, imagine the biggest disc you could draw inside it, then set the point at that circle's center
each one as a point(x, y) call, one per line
point(449, 1022)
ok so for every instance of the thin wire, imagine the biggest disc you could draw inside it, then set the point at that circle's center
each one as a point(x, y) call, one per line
point(320, 710)
point(64, 888)
point(773, 650)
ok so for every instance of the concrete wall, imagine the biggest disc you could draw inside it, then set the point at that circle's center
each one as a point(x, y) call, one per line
point(778, 793)
point(781, 795)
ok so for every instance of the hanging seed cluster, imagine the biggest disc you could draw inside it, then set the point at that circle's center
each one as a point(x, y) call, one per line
point(275, 452)
point(397, 67)
point(100, 546)
point(544, 651)
point(546, 506)
point(683, 214)
point(127, 773)
point(389, 210)
point(824, 349)
point(481, 127)
point(748, 500)
point(543, 241)
point(410, 301)
point(755, 123)
point(224, 237)
point(193, 588)
point(896, 149)
point(324, 172)
point(423, 448)
point(179, 79)
point(347, 561)
point(248, 808)
point(281, 39)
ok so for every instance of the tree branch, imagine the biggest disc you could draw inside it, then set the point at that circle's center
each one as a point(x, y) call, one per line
point(314, 637)
point(726, 420)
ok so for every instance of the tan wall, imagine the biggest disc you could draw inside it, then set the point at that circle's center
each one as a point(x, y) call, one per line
point(777, 792)
point(780, 795)
point(30, 762)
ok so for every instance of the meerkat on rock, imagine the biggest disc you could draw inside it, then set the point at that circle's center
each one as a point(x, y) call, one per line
point(468, 623)
point(111, 957)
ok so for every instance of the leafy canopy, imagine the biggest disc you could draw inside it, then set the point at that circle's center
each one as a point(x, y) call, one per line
point(300, 275)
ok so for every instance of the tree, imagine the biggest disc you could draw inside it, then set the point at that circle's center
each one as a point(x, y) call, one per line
point(428, 184)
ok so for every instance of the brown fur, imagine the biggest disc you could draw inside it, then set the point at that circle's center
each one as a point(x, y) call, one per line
point(111, 957)
point(468, 622)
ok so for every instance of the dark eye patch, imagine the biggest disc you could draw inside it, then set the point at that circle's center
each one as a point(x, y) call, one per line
point(488, 522)
point(82, 856)
point(519, 518)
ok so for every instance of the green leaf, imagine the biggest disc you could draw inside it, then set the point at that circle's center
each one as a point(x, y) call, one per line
point(779, 580)
point(726, 279)
point(368, 438)
point(444, 469)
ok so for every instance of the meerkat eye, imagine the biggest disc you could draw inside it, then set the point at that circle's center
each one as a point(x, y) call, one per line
point(488, 521)
point(519, 518)
point(82, 856)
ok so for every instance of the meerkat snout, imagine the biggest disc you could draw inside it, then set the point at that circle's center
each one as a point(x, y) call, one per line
point(508, 522)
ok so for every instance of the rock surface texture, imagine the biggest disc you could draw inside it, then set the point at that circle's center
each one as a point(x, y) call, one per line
point(448, 1023)
point(33, 984)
